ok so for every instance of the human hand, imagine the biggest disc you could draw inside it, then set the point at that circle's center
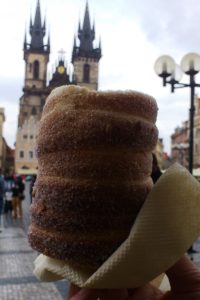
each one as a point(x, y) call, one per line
point(184, 279)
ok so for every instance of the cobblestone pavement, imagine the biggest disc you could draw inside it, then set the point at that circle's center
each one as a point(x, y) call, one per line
point(17, 281)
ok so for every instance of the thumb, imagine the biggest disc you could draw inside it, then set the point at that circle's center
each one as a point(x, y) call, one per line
point(73, 289)
point(184, 276)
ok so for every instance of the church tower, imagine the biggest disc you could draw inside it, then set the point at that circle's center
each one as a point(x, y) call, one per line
point(85, 57)
point(36, 56)
point(35, 91)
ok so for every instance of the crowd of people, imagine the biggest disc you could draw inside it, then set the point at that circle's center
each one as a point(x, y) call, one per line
point(12, 190)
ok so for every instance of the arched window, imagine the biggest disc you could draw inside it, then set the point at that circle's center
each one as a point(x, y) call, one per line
point(86, 73)
point(36, 68)
point(33, 111)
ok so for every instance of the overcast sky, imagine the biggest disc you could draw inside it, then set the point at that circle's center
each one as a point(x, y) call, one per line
point(134, 34)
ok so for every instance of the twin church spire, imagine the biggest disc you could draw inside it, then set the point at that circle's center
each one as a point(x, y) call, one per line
point(37, 32)
point(86, 36)
point(38, 83)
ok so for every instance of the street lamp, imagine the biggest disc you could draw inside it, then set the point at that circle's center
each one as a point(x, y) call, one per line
point(171, 74)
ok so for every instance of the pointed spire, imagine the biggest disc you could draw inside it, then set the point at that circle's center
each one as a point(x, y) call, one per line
point(25, 41)
point(37, 32)
point(86, 22)
point(74, 41)
point(93, 27)
point(79, 26)
point(37, 21)
point(49, 39)
point(31, 26)
point(79, 30)
point(48, 46)
point(100, 42)
point(44, 26)
point(86, 36)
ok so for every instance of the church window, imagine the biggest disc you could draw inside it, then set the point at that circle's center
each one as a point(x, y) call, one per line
point(36, 68)
point(21, 154)
point(34, 111)
point(30, 154)
point(42, 101)
point(198, 134)
point(86, 73)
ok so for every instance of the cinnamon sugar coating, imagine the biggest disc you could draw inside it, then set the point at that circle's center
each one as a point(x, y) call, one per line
point(94, 154)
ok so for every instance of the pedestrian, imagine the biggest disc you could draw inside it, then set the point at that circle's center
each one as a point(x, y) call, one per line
point(156, 172)
point(2, 191)
point(8, 203)
point(18, 197)
point(33, 179)
point(15, 199)
point(184, 279)
point(8, 194)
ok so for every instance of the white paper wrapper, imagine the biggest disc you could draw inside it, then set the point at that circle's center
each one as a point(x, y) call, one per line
point(165, 228)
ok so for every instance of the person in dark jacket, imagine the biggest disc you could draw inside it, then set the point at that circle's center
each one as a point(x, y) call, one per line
point(18, 196)
point(21, 188)
point(156, 172)
point(33, 179)
point(15, 199)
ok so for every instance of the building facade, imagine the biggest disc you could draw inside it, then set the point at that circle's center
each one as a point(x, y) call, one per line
point(6, 153)
point(25, 158)
point(196, 155)
point(180, 141)
point(159, 149)
point(2, 142)
point(180, 145)
point(85, 60)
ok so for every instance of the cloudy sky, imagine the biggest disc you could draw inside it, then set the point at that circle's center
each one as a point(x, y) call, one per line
point(134, 34)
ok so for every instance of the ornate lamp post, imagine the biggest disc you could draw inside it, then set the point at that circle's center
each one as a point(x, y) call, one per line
point(171, 74)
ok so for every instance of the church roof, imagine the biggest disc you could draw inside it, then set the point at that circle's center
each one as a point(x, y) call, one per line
point(37, 33)
point(60, 76)
point(86, 36)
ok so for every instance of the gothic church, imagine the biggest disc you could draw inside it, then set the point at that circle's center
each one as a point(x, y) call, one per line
point(85, 60)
